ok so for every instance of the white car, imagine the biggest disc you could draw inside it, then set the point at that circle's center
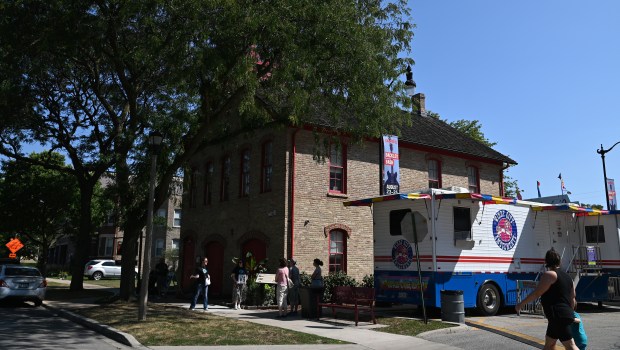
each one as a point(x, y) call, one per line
point(98, 269)
point(23, 283)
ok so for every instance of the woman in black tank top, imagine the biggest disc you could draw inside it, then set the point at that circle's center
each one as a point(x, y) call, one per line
point(557, 295)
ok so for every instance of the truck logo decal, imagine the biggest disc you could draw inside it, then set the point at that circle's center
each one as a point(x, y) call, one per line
point(402, 254)
point(504, 230)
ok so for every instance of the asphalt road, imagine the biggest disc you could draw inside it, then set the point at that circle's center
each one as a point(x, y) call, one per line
point(509, 331)
point(23, 326)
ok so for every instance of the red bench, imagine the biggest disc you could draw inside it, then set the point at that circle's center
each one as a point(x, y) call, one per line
point(351, 298)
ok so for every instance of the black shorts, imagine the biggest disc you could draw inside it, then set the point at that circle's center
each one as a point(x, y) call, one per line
point(559, 328)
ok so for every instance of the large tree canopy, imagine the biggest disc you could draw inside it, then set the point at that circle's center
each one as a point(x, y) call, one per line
point(91, 77)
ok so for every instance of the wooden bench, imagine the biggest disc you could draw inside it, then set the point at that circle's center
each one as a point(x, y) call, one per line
point(351, 298)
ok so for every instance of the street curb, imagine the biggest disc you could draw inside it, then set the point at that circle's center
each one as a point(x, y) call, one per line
point(459, 328)
point(520, 337)
point(110, 332)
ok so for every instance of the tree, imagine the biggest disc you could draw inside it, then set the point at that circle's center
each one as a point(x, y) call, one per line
point(37, 204)
point(93, 77)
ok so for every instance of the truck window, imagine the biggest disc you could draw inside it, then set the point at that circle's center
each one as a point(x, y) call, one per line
point(462, 224)
point(595, 234)
point(397, 221)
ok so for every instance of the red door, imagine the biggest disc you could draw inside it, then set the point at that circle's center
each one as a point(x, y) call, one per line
point(215, 253)
point(189, 262)
point(256, 247)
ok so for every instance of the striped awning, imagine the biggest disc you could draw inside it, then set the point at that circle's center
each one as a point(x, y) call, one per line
point(572, 208)
point(486, 198)
point(369, 201)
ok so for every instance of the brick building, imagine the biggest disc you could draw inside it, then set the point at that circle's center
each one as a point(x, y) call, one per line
point(266, 193)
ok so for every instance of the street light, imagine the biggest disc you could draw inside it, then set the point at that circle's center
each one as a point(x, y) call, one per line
point(409, 83)
point(602, 153)
point(155, 139)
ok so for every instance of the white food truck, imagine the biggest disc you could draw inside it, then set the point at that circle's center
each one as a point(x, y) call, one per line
point(483, 245)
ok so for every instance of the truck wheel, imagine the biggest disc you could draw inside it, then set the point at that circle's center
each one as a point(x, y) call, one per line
point(97, 275)
point(488, 300)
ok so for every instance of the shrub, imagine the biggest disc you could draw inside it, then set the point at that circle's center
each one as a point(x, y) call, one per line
point(305, 279)
point(336, 279)
point(368, 281)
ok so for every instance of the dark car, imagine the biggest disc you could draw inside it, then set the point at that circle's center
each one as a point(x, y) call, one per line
point(24, 283)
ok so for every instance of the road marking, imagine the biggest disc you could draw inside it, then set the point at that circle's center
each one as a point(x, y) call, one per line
point(520, 337)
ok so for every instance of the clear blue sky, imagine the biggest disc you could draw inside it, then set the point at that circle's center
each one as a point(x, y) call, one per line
point(543, 78)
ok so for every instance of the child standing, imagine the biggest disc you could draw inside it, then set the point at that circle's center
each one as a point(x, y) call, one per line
point(579, 333)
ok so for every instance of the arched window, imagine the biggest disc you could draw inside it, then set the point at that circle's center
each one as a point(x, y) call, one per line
point(208, 185)
point(245, 173)
point(337, 251)
point(266, 166)
point(337, 168)
point(225, 184)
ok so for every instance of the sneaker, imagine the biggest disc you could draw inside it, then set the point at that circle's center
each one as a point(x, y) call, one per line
point(192, 309)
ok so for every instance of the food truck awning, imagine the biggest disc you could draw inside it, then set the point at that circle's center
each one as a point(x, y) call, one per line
point(369, 201)
point(486, 198)
point(573, 208)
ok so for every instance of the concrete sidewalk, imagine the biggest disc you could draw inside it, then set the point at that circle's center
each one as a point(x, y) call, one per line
point(360, 337)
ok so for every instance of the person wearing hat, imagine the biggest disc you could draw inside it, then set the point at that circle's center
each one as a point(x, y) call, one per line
point(293, 293)
point(239, 277)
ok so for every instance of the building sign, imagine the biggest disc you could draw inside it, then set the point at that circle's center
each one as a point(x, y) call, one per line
point(266, 278)
point(611, 189)
point(390, 172)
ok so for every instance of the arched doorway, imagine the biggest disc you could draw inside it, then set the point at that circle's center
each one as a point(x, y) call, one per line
point(215, 253)
point(188, 262)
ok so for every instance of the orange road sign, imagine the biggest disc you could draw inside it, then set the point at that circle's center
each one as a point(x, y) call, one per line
point(12, 255)
point(14, 245)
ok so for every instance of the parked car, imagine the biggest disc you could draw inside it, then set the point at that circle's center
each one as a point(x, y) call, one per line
point(24, 283)
point(101, 268)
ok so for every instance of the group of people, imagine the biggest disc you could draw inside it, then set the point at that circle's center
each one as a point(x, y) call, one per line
point(288, 281)
point(557, 296)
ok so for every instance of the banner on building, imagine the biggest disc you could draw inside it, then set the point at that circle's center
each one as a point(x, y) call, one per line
point(390, 172)
point(611, 190)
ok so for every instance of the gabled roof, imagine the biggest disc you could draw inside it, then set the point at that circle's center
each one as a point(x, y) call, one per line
point(435, 133)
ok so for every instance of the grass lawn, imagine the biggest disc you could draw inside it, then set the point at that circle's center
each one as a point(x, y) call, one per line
point(174, 326)
point(169, 325)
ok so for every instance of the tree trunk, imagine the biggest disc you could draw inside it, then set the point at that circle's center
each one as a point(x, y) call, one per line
point(83, 239)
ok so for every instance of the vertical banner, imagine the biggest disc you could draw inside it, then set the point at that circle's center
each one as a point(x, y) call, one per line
point(611, 189)
point(390, 172)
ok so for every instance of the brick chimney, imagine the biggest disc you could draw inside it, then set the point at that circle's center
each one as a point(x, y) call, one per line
point(419, 104)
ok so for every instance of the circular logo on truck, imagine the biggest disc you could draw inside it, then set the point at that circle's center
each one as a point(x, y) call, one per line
point(402, 254)
point(504, 230)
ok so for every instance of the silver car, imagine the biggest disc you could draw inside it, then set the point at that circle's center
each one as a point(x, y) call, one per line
point(23, 283)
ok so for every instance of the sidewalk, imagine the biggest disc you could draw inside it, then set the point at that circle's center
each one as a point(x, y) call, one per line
point(361, 337)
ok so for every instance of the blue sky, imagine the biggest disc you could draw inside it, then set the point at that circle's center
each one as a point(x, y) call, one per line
point(543, 78)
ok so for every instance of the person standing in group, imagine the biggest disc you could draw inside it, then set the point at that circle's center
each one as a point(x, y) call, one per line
point(162, 277)
point(293, 292)
point(557, 296)
point(317, 276)
point(239, 277)
point(282, 287)
point(201, 275)
point(579, 332)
